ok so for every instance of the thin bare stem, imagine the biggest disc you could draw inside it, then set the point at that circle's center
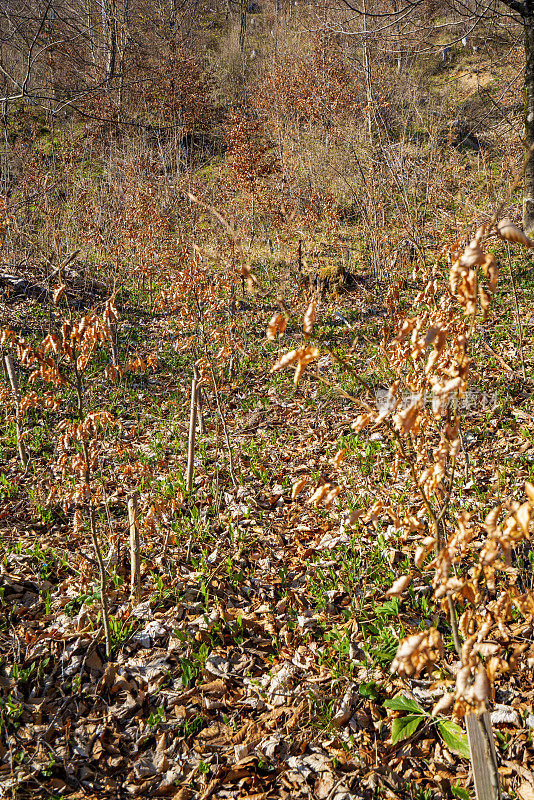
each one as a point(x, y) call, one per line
point(517, 316)
point(224, 426)
point(96, 548)
point(454, 625)
point(103, 583)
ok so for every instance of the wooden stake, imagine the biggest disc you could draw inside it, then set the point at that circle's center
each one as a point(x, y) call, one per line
point(200, 417)
point(135, 550)
point(483, 756)
point(192, 431)
point(114, 348)
point(479, 735)
point(10, 367)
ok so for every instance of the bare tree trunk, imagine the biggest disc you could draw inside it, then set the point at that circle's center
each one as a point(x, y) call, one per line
point(109, 30)
point(528, 200)
point(367, 71)
point(123, 41)
point(243, 25)
point(173, 15)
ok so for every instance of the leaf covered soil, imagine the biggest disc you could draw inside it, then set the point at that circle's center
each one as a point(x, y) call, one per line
point(257, 663)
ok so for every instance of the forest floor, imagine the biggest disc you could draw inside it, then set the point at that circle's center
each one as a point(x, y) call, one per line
point(257, 663)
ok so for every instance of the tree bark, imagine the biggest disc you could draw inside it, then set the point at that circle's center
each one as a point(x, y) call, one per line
point(243, 25)
point(109, 28)
point(528, 200)
point(367, 72)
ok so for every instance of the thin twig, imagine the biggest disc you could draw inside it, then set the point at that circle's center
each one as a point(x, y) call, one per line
point(103, 587)
point(517, 318)
point(224, 426)
point(500, 360)
point(454, 625)
point(98, 551)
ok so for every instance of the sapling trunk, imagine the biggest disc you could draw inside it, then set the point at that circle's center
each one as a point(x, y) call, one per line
point(103, 586)
point(97, 550)
point(224, 426)
point(517, 314)
point(528, 201)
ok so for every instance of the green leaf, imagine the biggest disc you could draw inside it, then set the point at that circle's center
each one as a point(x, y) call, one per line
point(189, 672)
point(203, 652)
point(403, 703)
point(368, 690)
point(454, 737)
point(459, 791)
point(403, 727)
point(389, 608)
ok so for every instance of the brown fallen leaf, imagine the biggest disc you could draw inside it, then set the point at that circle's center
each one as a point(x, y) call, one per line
point(217, 687)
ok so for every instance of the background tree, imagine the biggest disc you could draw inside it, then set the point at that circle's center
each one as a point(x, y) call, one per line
point(525, 12)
